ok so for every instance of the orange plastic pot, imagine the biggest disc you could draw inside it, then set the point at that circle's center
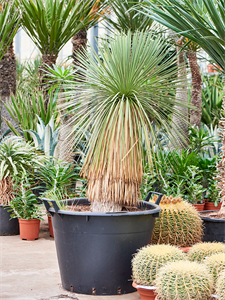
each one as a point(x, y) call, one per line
point(199, 206)
point(211, 206)
point(146, 293)
point(29, 229)
point(50, 227)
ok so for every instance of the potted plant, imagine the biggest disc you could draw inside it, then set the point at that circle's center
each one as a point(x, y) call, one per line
point(26, 208)
point(145, 264)
point(184, 280)
point(121, 92)
point(194, 190)
point(220, 286)
point(212, 196)
point(15, 156)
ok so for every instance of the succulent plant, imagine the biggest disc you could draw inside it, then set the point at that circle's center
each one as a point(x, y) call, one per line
point(202, 250)
point(149, 259)
point(178, 223)
point(216, 264)
point(220, 286)
point(184, 280)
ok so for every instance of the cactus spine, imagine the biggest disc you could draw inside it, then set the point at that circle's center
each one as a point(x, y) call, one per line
point(149, 259)
point(184, 280)
point(220, 286)
point(215, 264)
point(202, 250)
point(178, 224)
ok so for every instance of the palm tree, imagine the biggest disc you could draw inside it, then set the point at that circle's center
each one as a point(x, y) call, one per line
point(51, 24)
point(204, 23)
point(9, 22)
point(121, 92)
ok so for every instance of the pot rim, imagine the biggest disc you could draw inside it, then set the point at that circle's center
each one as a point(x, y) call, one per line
point(156, 209)
point(210, 219)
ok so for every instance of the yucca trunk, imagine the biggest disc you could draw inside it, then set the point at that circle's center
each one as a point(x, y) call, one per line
point(7, 84)
point(50, 60)
point(6, 191)
point(180, 131)
point(196, 93)
point(115, 183)
point(221, 164)
point(79, 42)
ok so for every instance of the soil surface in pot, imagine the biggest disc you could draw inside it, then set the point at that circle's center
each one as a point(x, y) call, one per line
point(213, 215)
point(83, 208)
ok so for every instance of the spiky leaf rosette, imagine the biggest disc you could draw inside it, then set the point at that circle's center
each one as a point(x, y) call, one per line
point(215, 264)
point(121, 91)
point(220, 286)
point(178, 223)
point(202, 250)
point(184, 280)
point(149, 259)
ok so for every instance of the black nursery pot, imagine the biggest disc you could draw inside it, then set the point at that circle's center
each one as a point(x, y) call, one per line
point(7, 226)
point(214, 229)
point(95, 249)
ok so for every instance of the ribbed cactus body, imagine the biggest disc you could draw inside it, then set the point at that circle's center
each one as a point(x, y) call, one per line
point(202, 250)
point(220, 286)
point(178, 224)
point(215, 264)
point(184, 280)
point(149, 259)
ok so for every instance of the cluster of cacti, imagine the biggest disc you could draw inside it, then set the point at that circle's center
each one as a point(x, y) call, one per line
point(178, 224)
point(202, 250)
point(220, 286)
point(215, 264)
point(184, 280)
point(149, 259)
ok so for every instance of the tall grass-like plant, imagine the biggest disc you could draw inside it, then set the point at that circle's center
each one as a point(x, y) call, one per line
point(120, 94)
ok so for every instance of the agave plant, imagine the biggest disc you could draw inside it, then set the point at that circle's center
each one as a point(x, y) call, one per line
point(120, 94)
point(46, 137)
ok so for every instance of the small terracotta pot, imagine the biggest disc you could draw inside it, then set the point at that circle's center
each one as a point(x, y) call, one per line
point(50, 227)
point(146, 293)
point(199, 206)
point(185, 249)
point(211, 206)
point(210, 68)
point(29, 229)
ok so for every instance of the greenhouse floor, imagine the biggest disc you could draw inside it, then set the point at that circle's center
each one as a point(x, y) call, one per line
point(29, 271)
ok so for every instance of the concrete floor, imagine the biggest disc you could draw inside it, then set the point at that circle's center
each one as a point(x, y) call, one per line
point(29, 271)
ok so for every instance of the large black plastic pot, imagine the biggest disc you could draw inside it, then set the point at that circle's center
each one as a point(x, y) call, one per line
point(95, 249)
point(7, 226)
point(214, 229)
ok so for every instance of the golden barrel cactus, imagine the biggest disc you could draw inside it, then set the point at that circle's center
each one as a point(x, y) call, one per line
point(184, 280)
point(202, 250)
point(149, 259)
point(220, 286)
point(178, 224)
point(216, 264)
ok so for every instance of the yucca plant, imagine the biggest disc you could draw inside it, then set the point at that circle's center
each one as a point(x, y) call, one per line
point(200, 21)
point(51, 24)
point(126, 18)
point(25, 110)
point(125, 90)
point(9, 21)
